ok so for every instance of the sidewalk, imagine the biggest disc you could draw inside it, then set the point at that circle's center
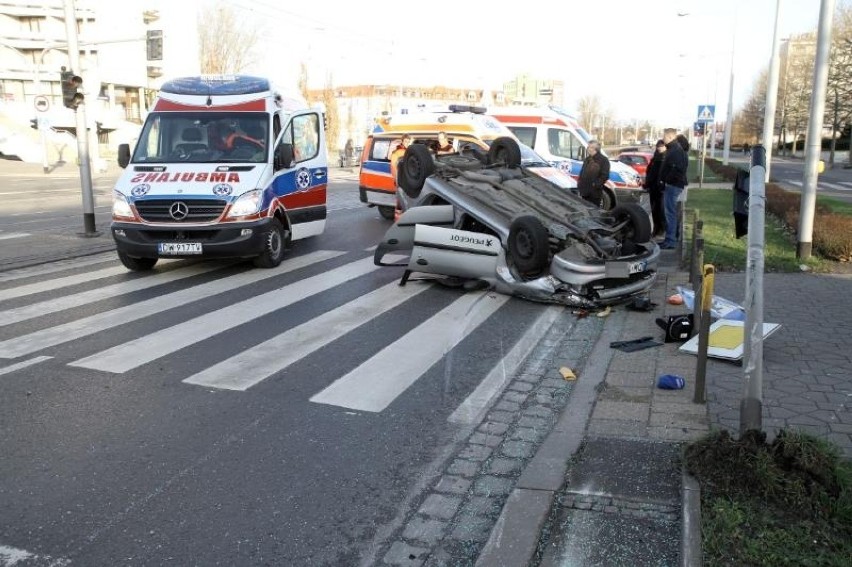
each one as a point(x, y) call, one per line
point(606, 486)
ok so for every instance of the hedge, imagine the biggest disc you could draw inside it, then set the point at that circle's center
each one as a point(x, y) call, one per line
point(832, 232)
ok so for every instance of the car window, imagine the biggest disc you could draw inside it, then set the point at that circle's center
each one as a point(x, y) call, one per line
point(526, 134)
point(380, 149)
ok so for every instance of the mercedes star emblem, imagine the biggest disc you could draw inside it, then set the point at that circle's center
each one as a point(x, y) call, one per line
point(179, 210)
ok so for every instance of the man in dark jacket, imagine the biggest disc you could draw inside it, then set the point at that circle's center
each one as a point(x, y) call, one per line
point(655, 189)
point(594, 174)
point(673, 176)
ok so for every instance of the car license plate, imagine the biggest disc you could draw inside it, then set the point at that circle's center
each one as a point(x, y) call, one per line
point(177, 248)
point(625, 269)
point(636, 267)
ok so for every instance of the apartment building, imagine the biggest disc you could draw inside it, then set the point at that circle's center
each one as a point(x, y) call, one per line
point(126, 49)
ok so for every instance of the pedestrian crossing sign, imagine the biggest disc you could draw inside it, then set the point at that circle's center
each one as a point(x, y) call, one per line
point(706, 113)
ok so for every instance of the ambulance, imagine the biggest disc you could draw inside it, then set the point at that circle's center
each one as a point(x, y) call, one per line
point(558, 137)
point(468, 129)
point(225, 167)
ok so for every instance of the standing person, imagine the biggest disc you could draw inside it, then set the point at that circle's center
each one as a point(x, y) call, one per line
point(655, 189)
point(397, 153)
point(594, 174)
point(673, 176)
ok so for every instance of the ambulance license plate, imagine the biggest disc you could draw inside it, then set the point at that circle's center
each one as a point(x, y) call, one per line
point(179, 248)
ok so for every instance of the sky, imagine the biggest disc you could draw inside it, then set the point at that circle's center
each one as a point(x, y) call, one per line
point(655, 60)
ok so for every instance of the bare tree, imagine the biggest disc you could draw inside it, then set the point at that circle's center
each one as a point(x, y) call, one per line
point(589, 107)
point(303, 81)
point(226, 43)
point(839, 104)
point(332, 117)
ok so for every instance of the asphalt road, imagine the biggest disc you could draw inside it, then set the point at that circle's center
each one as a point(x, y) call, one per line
point(836, 183)
point(216, 414)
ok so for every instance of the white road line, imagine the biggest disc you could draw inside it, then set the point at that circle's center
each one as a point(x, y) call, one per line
point(474, 406)
point(54, 267)
point(19, 314)
point(11, 556)
point(34, 342)
point(23, 364)
point(59, 283)
point(378, 381)
point(12, 235)
point(255, 364)
point(130, 355)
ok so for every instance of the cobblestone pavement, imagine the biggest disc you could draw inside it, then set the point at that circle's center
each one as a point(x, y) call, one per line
point(807, 363)
point(454, 516)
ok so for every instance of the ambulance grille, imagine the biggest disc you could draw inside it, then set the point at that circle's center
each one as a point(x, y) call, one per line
point(198, 210)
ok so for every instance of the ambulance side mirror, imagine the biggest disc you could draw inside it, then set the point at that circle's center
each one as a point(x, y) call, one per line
point(284, 156)
point(123, 155)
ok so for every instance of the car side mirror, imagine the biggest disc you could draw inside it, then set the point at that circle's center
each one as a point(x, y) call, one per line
point(123, 155)
point(284, 156)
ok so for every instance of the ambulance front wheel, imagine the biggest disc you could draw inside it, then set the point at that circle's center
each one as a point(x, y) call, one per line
point(274, 241)
point(136, 264)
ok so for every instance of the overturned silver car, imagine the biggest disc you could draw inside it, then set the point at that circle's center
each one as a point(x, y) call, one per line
point(493, 220)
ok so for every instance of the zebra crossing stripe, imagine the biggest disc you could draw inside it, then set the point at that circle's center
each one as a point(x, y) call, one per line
point(59, 283)
point(377, 382)
point(52, 336)
point(246, 369)
point(23, 364)
point(145, 349)
point(19, 314)
point(11, 235)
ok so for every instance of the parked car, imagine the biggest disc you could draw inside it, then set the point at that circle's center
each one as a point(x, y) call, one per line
point(486, 220)
point(637, 160)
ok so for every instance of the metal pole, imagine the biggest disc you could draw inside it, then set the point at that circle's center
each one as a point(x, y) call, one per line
point(814, 141)
point(703, 156)
point(82, 132)
point(729, 120)
point(772, 93)
point(42, 131)
point(751, 407)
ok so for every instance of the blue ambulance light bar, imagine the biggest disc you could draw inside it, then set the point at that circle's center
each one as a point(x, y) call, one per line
point(218, 85)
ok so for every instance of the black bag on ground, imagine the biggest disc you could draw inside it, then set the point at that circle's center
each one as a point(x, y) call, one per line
point(678, 328)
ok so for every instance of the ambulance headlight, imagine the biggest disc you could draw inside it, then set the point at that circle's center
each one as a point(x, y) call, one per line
point(247, 204)
point(120, 206)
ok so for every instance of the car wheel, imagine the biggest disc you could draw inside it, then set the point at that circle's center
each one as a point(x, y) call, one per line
point(639, 226)
point(528, 246)
point(386, 212)
point(274, 241)
point(136, 264)
point(608, 201)
point(504, 150)
point(416, 166)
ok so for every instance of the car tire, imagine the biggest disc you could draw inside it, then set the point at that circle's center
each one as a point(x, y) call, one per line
point(416, 165)
point(505, 150)
point(528, 246)
point(274, 241)
point(639, 227)
point(136, 264)
point(386, 212)
point(608, 201)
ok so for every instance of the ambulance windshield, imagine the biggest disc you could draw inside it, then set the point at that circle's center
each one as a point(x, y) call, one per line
point(204, 137)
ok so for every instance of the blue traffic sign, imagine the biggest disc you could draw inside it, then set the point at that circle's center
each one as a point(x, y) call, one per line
point(707, 113)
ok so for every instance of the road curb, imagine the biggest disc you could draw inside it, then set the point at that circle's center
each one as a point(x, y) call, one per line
point(515, 538)
point(690, 551)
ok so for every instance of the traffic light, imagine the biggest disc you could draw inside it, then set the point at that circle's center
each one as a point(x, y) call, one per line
point(34, 123)
point(71, 83)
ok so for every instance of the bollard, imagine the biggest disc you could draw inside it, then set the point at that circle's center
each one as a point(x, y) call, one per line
point(703, 334)
point(697, 286)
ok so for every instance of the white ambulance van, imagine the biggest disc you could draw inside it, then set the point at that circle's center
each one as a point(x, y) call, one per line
point(225, 167)
point(558, 137)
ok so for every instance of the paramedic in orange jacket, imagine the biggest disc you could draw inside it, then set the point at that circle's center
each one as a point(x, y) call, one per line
point(397, 153)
